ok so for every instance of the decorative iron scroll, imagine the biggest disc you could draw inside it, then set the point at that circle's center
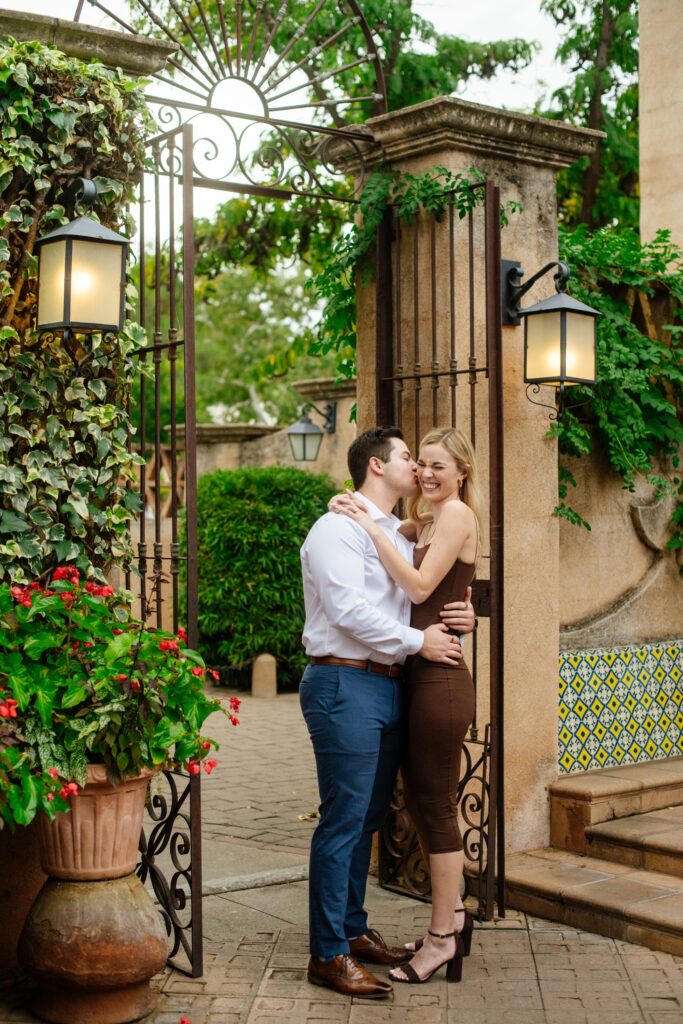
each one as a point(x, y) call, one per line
point(170, 858)
point(402, 866)
point(268, 88)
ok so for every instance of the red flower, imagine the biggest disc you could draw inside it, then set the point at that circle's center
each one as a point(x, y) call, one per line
point(49, 797)
point(210, 765)
point(88, 643)
point(214, 674)
point(234, 720)
point(205, 745)
point(122, 677)
point(135, 685)
point(235, 703)
point(67, 789)
point(193, 766)
point(53, 773)
point(117, 632)
point(182, 634)
point(66, 572)
point(98, 590)
point(23, 595)
point(67, 596)
point(197, 671)
point(169, 645)
point(8, 708)
point(184, 1020)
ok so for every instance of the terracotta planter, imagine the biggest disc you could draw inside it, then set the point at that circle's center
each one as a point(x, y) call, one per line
point(93, 938)
point(99, 837)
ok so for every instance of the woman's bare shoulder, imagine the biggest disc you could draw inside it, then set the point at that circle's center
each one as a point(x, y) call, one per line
point(456, 512)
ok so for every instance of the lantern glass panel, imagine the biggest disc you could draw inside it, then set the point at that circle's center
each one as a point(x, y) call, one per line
point(543, 347)
point(580, 357)
point(51, 291)
point(95, 283)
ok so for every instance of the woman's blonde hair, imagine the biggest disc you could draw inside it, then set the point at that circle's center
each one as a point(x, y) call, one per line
point(459, 446)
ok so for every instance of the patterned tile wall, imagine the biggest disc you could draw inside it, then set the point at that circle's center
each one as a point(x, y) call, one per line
point(620, 706)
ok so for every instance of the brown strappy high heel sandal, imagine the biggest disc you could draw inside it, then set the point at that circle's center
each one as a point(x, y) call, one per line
point(466, 934)
point(453, 964)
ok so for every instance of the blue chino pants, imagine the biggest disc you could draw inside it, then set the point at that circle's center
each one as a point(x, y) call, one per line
point(355, 722)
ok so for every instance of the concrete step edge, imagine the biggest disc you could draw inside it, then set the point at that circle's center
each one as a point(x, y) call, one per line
point(567, 907)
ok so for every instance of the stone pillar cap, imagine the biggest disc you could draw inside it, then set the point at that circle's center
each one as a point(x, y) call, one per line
point(135, 54)
point(447, 123)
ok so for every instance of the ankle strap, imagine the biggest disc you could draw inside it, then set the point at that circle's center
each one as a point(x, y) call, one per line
point(447, 935)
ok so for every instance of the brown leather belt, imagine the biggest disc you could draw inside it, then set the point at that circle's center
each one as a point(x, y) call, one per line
point(393, 671)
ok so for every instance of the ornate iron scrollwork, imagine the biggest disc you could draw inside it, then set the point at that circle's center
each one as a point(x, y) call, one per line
point(402, 866)
point(170, 850)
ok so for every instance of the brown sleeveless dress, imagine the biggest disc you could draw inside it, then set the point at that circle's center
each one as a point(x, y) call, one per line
point(440, 711)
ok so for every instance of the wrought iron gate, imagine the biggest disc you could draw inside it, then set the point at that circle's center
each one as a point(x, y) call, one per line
point(166, 583)
point(438, 349)
point(276, 66)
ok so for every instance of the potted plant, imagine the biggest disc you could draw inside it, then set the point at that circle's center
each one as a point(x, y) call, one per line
point(92, 703)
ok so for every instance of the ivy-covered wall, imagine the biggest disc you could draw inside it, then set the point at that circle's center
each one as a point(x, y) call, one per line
point(64, 436)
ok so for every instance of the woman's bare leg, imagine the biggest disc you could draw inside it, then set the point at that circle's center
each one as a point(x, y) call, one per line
point(446, 872)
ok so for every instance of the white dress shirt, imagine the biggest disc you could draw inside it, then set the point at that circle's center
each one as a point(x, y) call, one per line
point(353, 607)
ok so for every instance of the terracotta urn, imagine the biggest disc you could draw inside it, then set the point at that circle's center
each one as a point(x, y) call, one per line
point(93, 938)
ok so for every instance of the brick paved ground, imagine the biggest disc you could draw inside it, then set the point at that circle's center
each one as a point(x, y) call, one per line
point(522, 970)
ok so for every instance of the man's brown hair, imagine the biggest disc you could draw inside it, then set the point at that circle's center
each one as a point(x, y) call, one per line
point(373, 443)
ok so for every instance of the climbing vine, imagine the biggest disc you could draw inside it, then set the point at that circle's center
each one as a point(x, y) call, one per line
point(434, 191)
point(64, 436)
point(634, 412)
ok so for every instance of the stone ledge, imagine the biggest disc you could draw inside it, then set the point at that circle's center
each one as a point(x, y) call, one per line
point(325, 388)
point(135, 54)
point(652, 841)
point(580, 801)
point(611, 899)
point(450, 123)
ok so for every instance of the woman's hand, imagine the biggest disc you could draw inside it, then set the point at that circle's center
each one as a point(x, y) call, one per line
point(342, 503)
point(347, 504)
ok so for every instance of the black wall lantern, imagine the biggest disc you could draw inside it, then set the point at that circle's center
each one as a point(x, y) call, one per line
point(81, 274)
point(305, 437)
point(560, 333)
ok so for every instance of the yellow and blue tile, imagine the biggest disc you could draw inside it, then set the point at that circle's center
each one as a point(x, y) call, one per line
point(620, 706)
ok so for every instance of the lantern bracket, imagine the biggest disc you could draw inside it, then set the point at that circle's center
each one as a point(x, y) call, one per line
point(79, 190)
point(512, 289)
point(328, 413)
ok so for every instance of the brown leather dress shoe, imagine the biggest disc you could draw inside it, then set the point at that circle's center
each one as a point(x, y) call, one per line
point(345, 975)
point(372, 948)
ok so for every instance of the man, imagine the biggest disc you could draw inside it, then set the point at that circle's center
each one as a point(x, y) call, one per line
point(357, 635)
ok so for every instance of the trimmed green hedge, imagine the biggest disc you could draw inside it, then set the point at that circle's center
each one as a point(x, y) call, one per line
point(251, 525)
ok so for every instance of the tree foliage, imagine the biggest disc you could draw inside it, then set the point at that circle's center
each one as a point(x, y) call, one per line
point(64, 435)
point(599, 48)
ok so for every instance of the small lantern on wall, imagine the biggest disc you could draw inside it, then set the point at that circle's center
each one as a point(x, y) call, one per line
point(305, 437)
point(81, 275)
point(560, 333)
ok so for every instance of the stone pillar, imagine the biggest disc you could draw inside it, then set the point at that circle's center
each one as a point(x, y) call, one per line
point(520, 154)
point(661, 113)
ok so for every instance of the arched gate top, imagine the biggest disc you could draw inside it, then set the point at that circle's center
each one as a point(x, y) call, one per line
point(273, 88)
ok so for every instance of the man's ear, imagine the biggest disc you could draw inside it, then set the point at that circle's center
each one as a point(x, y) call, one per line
point(376, 466)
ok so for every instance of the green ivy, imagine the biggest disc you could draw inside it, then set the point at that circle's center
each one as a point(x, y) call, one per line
point(633, 414)
point(64, 435)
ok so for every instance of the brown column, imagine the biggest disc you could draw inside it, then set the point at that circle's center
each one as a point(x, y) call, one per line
point(521, 154)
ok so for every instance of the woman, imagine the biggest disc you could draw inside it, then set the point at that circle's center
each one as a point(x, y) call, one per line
point(443, 522)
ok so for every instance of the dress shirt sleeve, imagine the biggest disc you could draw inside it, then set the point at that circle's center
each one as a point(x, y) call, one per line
point(336, 558)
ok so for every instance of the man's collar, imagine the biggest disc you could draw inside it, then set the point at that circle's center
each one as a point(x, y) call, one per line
point(376, 513)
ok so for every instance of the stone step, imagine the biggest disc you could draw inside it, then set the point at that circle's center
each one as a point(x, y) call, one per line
point(652, 841)
point(622, 902)
point(579, 801)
